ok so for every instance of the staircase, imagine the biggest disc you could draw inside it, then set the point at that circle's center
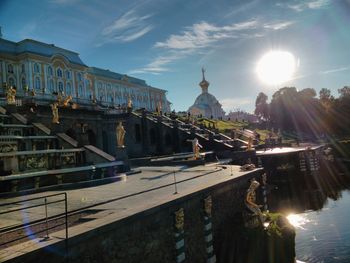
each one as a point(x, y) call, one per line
point(33, 157)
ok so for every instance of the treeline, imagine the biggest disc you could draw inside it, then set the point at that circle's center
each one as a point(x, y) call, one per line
point(304, 111)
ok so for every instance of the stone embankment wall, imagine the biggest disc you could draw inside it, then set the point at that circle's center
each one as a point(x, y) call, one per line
point(152, 235)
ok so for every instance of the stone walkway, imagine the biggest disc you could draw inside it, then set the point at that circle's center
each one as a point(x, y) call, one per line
point(151, 187)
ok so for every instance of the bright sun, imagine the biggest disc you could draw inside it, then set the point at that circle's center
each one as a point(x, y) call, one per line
point(276, 67)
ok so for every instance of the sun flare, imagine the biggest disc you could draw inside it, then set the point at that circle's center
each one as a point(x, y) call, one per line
point(276, 67)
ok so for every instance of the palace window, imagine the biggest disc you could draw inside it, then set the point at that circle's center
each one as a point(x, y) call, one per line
point(81, 91)
point(69, 89)
point(24, 83)
point(51, 86)
point(36, 68)
point(60, 87)
point(49, 71)
point(80, 78)
point(59, 73)
point(68, 74)
point(10, 68)
point(37, 84)
point(23, 68)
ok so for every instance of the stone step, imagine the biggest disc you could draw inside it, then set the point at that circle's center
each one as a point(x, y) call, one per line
point(33, 137)
point(15, 125)
point(67, 139)
point(100, 153)
point(20, 118)
point(49, 151)
point(42, 127)
point(60, 171)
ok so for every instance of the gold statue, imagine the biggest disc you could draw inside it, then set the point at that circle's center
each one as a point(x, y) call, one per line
point(11, 95)
point(66, 101)
point(250, 144)
point(179, 219)
point(251, 199)
point(129, 102)
point(195, 148)
point(55, 117)
point(120, 132)
point(208, 205)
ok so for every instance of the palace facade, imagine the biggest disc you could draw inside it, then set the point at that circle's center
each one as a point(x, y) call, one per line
point(48, 70)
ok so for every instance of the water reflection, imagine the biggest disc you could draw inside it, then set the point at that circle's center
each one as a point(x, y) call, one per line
point(298, 221)
point(318, 205)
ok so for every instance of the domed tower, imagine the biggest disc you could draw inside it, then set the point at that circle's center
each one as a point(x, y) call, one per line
point(206, 104)
point(204, 84)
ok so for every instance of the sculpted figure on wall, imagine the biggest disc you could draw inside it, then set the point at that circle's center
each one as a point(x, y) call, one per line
point(120, 133)
point(11, 95)
point(55, 116)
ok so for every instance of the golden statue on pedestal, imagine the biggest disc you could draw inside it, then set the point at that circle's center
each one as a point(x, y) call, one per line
point(251, 199)
point(250, 144)
point(129, 103)
point(11, 95)
point(55, 116)
point(195, 148)
point(120, 133)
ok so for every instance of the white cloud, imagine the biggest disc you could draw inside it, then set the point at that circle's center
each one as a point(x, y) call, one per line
point(278, 25)
point(201, 36)
point(334, 70)
point(234, 103)
point(303, 5)
point(128, 27)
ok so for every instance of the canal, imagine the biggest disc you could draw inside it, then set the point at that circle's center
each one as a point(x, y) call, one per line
point(318, 206)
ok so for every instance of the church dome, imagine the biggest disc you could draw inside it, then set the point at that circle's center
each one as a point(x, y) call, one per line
point(206, 104)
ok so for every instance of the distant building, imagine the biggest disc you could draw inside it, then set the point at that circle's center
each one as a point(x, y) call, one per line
point(206, 104)
point(48, 70)
point(242, 116)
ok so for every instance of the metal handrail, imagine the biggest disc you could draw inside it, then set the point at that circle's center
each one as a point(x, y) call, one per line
point(36, 222)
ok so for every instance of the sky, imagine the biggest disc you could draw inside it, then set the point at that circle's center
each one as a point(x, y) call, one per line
point(168, 42)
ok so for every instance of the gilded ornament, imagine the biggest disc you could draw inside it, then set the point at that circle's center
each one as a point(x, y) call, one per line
point(208, 205)
point(179, 219)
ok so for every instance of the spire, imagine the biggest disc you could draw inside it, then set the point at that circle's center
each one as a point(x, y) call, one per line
point(204, 84)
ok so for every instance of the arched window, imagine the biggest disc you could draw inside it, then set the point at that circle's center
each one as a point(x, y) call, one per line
point(10, 68)
point(24, 83)
point(81, 91)
point(49, 71)
point(36, 68)
point(88, 89)
point(12, 82)
point(23, 68)
point(68, 74)
point(80, 78)
point(37, 84)
point(68, 89)
point(51, 86)
point(59, 73)
point(60, 87)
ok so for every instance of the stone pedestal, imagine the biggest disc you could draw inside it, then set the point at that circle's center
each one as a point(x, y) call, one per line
point(121, 153)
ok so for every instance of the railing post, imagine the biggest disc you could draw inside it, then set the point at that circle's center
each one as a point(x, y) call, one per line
point(175, 184)
point(66, 218)
point(47, 222)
